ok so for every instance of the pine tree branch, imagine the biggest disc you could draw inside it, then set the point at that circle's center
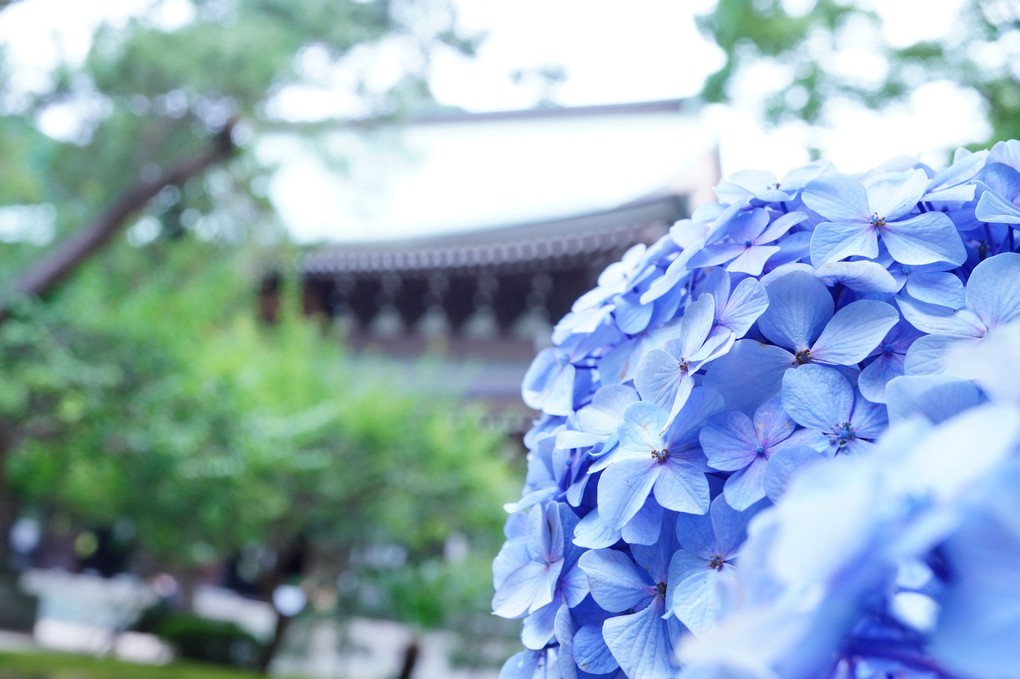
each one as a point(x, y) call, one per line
point(43, 276)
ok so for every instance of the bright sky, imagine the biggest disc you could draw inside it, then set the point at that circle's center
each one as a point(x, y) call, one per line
point(610, 52)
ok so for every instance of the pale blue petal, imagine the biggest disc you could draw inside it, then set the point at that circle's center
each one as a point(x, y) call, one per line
point(837, 197)
point(658, 378)
point(854, 332)
point(937, 287)
point(654, 559)
point(728, 374)
point(641, 643)
point(594, 533)
point(590, 651)
point(683, 392)
point(963, 169)
point(538, 627)
point(729, 441)
point(780, 226)
point(523, 665)
point(530, 586)
point(772, 423)
point(893, 198)
point(540, 374)
point(718, 343)
point(703, 403)
point(697, 323)
point(817, 397)
point(833, 241)
point(783, 465)
point(748, 225)
point(729, 526)
point(644, 528)
point(746, 486)
point(799, 307)
point(869, 419)
point(605, 412)
point(639, 432)
point(682, 487)
point(682, 565)
point(568, 439)
point(620, 363)
point(924, 239)
point(512, 555)
point(574, 586)
point(677, 271)
point(698, 600)
point(1006, 152)
point(860, 276)
point(877, 374)
point(623, 488)
point(752, 260)
point(993, 208)
point(558, 398)
point(665, 308)
point(696, 536)
point(717, 283)
point(631, 316)
point(546, 533)
point(714, 255)
point(615, 581)
point(993, 290)
point(925, 355)
point(937, 397)
point(941, 320)
point(748, 301)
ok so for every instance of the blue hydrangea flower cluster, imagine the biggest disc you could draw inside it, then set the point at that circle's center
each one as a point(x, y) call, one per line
point(784, 440)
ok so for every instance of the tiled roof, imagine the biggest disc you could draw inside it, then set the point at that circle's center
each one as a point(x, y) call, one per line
point(513, 246)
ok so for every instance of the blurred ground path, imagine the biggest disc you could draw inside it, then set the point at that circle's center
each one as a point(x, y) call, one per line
point(82, 613)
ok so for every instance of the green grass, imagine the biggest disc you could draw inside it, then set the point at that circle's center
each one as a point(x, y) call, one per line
point(67, 666)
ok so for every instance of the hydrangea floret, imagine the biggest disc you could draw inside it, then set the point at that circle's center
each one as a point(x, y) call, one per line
point(784, 440)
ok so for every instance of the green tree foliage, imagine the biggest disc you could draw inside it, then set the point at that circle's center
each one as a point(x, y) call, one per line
point(174, 408)
point(145, 387)
point(979, 55)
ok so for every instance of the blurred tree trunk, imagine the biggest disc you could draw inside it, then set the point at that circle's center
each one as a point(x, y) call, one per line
point(411, 652)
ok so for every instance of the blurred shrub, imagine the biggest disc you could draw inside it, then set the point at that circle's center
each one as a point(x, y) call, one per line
point(215, 641)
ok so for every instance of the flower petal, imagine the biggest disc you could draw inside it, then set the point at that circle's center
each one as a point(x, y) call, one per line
point(623, 488)
point(728, 374)
point(729, 440)
point(837, 197)
point(817, 397)
point(854, 332)
point(833, 241)
point(993, 290)
point(642, 643)
point(748, 301)
point(799, 307)
point(616, 583)
point(924, 239)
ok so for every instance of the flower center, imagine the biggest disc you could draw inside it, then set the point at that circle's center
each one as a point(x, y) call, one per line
point(803, 356)
point(759, 451)
point(682, 366)
point(844, 434)
point(660, 455)
point(747, 243)
point(877, 221)
point(660, 589)
point(716, 562)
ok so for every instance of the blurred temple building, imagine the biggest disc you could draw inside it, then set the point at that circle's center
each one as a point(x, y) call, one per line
point(468, 235)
